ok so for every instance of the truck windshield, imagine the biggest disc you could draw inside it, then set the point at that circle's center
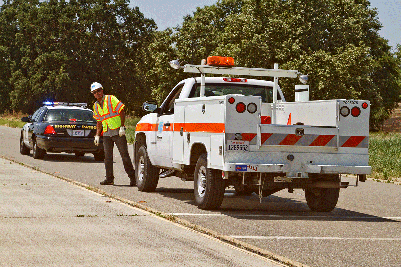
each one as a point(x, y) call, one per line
point(219, 89)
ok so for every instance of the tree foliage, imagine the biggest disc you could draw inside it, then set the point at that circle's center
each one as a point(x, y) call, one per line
point(54, 50)
point(335, 42)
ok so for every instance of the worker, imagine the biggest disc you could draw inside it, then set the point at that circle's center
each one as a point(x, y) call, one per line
point(110, 116)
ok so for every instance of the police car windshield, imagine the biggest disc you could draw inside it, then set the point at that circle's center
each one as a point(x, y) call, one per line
point(78, 115)
point(218, 89)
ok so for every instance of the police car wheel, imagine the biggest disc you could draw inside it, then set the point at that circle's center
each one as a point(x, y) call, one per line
point(147, 175)
point(322, 199)
point(23, 149)
point(37, 152)
point(209, 185)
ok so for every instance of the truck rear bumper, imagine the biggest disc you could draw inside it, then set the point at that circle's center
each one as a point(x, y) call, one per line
point(287, 168)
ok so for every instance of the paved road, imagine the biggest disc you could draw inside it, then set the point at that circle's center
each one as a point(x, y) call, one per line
point(46, 221)
point(364, 229)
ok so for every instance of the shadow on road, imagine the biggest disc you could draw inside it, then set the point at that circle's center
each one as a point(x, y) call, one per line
point(272, 207)
point(55, 157)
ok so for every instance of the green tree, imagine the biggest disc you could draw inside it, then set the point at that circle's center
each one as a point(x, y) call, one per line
point(64, 46)
point(335, 42)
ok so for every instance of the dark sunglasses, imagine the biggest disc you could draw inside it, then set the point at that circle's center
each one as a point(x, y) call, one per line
point(96, 91)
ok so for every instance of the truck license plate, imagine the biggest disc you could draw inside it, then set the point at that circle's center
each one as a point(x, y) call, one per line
point(78, 133)
point(237, 145)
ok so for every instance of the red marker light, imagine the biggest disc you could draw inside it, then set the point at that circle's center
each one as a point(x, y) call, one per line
point(231, 100)
point(240, 107)
point(235, 80)
point(49, 130)
point(355, 111)
point(365, 105)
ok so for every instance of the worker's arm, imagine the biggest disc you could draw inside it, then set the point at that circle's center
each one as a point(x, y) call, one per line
point(99, 128)
point(122, 116)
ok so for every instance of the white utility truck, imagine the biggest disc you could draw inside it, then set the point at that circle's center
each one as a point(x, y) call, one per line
point(240, 132)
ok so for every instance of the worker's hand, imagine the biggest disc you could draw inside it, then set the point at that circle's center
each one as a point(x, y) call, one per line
point(97, 140)
point(122, 131)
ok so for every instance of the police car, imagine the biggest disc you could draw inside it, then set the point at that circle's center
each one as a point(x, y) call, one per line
point(60, 127)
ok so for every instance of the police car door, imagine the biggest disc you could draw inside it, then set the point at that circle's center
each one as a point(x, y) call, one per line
point(165, 128)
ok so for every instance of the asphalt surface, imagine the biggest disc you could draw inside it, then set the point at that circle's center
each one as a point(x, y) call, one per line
point(363, 230)
point(45, 221)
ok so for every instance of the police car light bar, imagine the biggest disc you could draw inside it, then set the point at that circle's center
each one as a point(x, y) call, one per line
point(49, 103)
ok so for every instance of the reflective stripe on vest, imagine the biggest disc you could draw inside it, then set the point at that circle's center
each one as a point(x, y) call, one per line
point(111, 116)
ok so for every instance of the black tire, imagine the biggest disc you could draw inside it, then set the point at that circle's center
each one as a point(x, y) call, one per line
point(209, 185)
point(322, 199)
point(37, 152)
point(79, 154)
point(146, 175)
point(99, 156)
point(23, 149)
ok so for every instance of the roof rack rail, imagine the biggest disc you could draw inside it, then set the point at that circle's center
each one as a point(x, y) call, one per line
point(49, 103)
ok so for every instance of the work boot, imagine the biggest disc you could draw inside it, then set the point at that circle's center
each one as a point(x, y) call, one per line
point(107, 182)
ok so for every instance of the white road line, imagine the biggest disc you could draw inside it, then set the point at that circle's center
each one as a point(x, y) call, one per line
point(317, 238)
point(288, 216)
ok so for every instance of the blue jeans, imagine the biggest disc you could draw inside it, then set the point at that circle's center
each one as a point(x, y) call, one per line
point(121, 143)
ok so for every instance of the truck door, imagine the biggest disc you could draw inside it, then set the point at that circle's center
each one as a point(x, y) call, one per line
point(165, 128)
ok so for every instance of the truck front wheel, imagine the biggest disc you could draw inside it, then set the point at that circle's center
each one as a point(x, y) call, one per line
point(322, 199)
point(209, 185)
point(147, 175)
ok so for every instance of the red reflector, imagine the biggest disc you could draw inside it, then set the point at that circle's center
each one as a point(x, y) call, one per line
point(231, 100)
point(49, 130)
point(266, 120)
point(73, 119)
point(365, 105)
point(240, 107)
point(355, 111)
point(235, 80)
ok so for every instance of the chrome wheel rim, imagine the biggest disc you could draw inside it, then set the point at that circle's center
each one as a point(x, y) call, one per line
point(141, 167)
point(201, 182)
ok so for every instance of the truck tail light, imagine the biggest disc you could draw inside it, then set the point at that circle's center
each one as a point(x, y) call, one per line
point(365, 105)
point(252, 108)
point(231, 100)
point(240, 107)
point(344, 111)
point(235, 80)
point(355, 111)
point(49, 130)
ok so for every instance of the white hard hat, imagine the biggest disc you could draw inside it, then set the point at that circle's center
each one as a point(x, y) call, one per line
point(95, 86)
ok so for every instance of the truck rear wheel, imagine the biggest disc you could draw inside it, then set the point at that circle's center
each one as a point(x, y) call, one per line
point(147, 175)
point(209, 185)
point(322, 199)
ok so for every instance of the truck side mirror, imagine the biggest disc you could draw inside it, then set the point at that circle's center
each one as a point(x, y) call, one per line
point(149, 107)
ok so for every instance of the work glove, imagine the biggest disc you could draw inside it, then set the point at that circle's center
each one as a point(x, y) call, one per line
point(97, 140)
point(122, 131)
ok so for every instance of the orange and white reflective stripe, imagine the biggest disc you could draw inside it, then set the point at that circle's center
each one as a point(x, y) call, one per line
point(145, 127)
point(200, 127)
point(186, 127)
point(270, 139)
